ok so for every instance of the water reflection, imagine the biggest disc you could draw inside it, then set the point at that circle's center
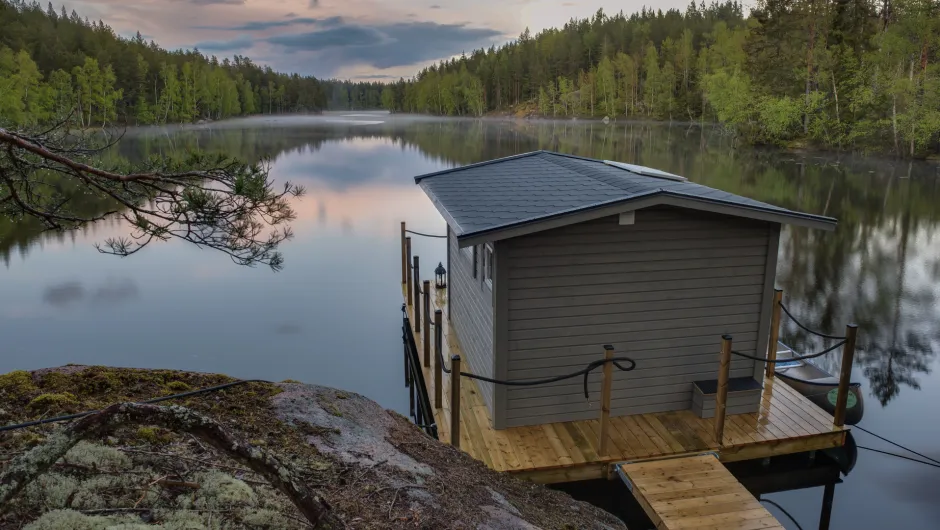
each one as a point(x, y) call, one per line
point(878, 269)
point(331, 317)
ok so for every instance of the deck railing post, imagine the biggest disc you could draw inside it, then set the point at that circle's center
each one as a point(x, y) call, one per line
point(408, 285)
point(404, 256)
point(426, 288)
point(606, 386)
point(417, 295)
point(848, 356)
point(455, 401)
point(774, 334)
point(721, 397)
point(438, 358)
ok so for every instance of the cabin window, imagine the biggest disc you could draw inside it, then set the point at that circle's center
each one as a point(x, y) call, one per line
point(476, 261)
point(488, 263)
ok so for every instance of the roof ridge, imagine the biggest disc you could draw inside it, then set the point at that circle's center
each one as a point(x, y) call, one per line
point(578, 169)
point(419, 178)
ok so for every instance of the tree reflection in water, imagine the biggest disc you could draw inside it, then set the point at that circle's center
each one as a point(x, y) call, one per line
point(878, 268)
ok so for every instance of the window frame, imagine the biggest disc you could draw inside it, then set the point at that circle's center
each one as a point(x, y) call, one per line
point(489, 264)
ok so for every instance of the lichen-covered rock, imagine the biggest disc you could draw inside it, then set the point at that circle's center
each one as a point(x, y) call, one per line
point(372, 467)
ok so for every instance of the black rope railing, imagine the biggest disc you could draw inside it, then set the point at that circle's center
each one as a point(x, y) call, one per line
point(807, 329)
point(586, 371)
point(788, 359)
point(425, 235)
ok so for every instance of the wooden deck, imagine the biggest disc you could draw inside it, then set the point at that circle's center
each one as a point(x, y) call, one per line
point(565, 452)
point(694, 492)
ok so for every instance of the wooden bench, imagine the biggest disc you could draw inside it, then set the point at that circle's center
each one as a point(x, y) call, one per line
point(744, 394)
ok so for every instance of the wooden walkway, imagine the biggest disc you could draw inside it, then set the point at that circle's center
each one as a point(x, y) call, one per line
point(565, 452)
point(694, 492)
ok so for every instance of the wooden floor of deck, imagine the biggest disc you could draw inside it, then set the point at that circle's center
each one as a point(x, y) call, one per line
point(695, 492)
point(564, 452)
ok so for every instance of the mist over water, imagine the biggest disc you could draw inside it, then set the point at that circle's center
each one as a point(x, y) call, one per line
point(333, 315)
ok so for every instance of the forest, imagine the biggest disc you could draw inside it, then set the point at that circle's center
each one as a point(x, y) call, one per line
point(850, 74)
point(56, 63)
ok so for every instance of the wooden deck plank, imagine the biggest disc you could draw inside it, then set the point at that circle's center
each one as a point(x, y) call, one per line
point(662, 488)
point(786, 422)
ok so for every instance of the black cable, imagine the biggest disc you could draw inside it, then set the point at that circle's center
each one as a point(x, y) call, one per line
point(148, 402)
point(768, 501)
point(425, 235)
point(882, 438)
point(897, 455)
point(804, 328)
point(788, 359)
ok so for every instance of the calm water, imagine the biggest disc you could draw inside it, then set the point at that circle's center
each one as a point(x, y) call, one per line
point(332, 316)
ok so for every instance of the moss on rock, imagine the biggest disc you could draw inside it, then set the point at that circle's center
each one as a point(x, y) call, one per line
point(47, 403)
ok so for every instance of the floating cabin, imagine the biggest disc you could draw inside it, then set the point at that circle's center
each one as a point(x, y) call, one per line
point(550, 257)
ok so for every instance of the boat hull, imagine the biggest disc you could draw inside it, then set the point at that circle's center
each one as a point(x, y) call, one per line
point(818, 386)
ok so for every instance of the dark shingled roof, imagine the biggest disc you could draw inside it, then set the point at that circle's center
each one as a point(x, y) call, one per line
point(535, 186)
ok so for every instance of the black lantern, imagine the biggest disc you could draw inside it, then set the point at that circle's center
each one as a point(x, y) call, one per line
point(440, 276)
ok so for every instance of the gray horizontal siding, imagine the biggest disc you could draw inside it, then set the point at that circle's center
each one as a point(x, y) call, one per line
point(661, 291)
point(471, 306)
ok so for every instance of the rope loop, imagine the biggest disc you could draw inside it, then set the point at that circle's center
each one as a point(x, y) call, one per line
point(806, 329)
point(788, 359)
point(425, 235)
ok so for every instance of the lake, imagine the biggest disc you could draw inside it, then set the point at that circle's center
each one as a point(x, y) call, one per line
point(332, 316)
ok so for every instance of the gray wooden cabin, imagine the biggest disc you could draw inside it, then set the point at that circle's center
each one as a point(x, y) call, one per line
point(552, 256)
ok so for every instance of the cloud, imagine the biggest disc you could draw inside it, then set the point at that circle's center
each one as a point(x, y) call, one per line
point(239, 43)
point(386, 45)
point(63, 294)
point(435, 6)
point(314, 4)
point(377, 76)
point(115, 291)
point(290, 15)
point(329, 38)
point(260, 25)
point(212, 2)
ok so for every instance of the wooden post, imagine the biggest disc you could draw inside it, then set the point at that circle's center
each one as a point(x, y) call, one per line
point(417, 296)
point(455, 401)
point(721, 397)
point(848, 356)
point(438, 359)
point(606, 386)
point(404, 256)
point(774, 334)
point(426, 288)
point(408, 286)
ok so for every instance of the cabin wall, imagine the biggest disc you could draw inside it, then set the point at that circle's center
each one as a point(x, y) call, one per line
point(662, 291)
point(471, 313)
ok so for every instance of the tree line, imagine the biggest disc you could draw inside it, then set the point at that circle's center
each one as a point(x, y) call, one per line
point(53, 63)
point(858, 74)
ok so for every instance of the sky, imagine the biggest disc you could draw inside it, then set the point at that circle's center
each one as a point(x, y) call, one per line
point(353, 39)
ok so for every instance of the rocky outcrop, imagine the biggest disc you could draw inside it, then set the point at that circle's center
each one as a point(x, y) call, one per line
point(367, 467)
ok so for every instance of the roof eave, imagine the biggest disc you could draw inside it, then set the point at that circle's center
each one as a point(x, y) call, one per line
point(654, 198)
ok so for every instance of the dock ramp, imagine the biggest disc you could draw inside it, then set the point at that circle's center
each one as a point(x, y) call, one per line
point(694, 492)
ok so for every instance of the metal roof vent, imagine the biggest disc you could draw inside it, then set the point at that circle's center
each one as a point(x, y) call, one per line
point(645, 171)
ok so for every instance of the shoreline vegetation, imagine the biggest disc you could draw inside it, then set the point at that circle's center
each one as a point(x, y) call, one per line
point(203, 461)
point(857, 76)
